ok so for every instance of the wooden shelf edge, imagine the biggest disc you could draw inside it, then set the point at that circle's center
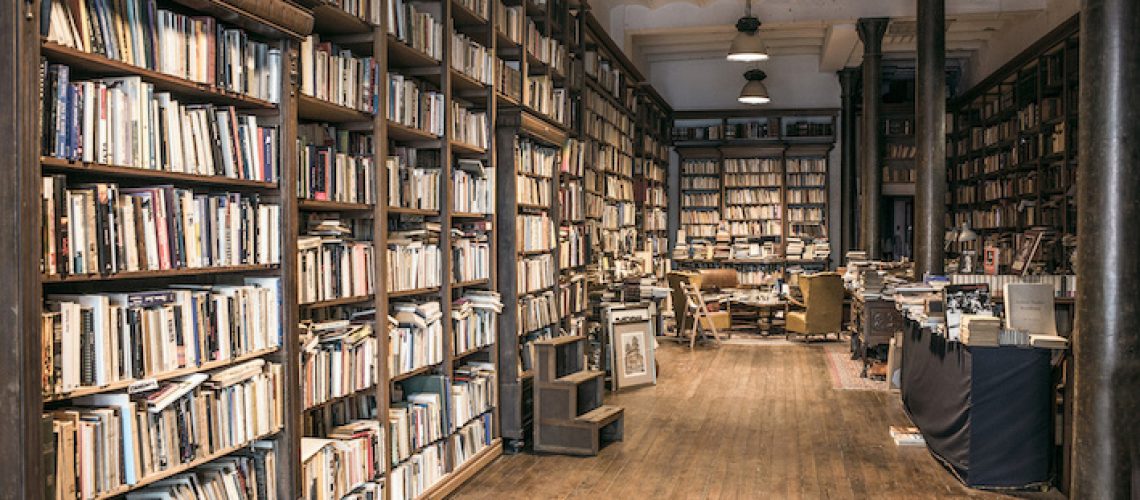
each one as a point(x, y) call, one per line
point(454, 479)
point(69, 166)
point(168, 273)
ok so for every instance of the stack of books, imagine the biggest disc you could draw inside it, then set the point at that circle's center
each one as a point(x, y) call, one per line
point(980, 330)
point(415, 336)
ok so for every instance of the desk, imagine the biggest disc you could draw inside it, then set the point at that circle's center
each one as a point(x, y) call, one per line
point(984, 411)
point(766, 310)
point(874, 322)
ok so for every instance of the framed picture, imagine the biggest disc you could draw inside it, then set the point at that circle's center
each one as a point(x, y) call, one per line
point(634, 354)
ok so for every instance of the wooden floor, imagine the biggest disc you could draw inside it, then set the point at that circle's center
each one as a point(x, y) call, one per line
point(737, 422)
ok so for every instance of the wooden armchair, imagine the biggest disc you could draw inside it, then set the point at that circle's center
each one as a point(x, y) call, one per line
point(822, 307)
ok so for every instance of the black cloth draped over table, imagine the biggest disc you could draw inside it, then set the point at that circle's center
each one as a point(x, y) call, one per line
point(984, 411)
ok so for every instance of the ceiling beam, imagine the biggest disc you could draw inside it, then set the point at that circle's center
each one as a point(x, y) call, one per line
point(838, 44)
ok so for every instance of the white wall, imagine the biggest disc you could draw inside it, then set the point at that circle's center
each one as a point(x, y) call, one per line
point(1010, 42)
point(793, 82)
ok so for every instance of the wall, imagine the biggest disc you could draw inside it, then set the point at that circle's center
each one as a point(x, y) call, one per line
point(1010, 42)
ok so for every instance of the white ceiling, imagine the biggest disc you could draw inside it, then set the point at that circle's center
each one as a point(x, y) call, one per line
point(670, 30)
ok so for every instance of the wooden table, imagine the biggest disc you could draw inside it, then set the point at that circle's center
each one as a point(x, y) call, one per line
point(766, 310)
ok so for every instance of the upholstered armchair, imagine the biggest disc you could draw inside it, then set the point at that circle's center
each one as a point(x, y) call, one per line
point(821, 310)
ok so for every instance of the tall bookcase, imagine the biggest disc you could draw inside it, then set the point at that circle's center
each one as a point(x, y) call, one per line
point(1013, 156)
point(529, 85)
point(759, 176)
point(651, 172)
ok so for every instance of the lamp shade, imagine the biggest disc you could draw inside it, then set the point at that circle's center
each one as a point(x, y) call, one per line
point(747, 47)
point(754, 91)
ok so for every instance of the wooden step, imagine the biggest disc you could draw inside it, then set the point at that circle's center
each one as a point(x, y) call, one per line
point(579, 377)
point(602, 415)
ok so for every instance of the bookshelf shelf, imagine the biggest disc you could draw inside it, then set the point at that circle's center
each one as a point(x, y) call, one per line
point(57, 165)
point(401, 132)
point(422, 212)
point(418, 371)
point(124, 384)
point(471, 351)
point(166, 274)
point(402, 55)
point(459, 148)
point(97, 65)
point(329, 18)
point(469, 215)
point(460, 82)
point(470, 283)
point(332, 206)
point(339, 399)
point(413, 292)
point(311, 108)
point(343, 301)
point(453, 480)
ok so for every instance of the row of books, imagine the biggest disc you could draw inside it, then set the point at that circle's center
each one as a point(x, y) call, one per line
point(122, 121)
point(753, 180)
point(249, 474)
point(620, 215)
point(707, 183)
point(102, 228)
point(331, 267)
point(470, 127)
point(807, 196)
point(338, 358)
point(508, 79)
point(755, 228)
point(532, 190)
point(472, 59)
point(414, 259)
point(413, 104)
point(752, 212)
point(346, 465)
point(545, 98)
point(535, 233)
point(414, 178)
point(536, 312)
point(573, 158)
point(475, 318)
point(571, 201)
point(107, 442)
point(473, 187)
point(796, 214)
point(572, 295)
point(621, 241)
point(755, 196)
point(572, 247)
point(415, 336)
point(416, 422)
point(691, 200)
point(535, 273)
point(536, 160)
point(549, 51)
point(197, 48)
point(470, 256)
point(472, 438)
point(418, 473)
point(655, 196)
point(334, 165)
point(338, 76)
point(416, 28)
point(619, 188)
point(655, 220)
point(94, 340)
point(473, 390)
point(700, 167)
point(807, 180)
point(699, 217)
point(752, 165)
point(510, 21)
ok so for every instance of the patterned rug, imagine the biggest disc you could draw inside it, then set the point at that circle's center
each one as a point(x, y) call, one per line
point(845, 371)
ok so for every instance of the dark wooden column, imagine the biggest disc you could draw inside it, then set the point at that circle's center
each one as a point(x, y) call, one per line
point(1107, 337)
point(20, 404)
point(930, 141)
point(871, 30)
point(849, 189)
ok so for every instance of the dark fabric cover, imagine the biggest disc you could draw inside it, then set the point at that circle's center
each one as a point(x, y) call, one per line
point(984, 411)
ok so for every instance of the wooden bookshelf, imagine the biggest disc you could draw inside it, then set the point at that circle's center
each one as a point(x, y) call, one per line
point(284, 25)
point(1012, 154)
point(651, 169)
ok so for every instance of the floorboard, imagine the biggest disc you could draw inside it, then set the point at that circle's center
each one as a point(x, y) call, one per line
point(738, 421)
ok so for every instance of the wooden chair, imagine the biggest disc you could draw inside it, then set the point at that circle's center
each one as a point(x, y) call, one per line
point(703, 319)
point(822, 307)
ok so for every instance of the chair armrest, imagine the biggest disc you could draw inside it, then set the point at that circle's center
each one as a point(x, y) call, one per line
point(793, 302)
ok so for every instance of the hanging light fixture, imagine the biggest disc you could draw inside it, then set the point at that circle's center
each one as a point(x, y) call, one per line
point(747, 46)
point(754, 91)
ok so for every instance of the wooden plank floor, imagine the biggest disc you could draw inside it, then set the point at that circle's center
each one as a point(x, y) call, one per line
point(737, 422)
